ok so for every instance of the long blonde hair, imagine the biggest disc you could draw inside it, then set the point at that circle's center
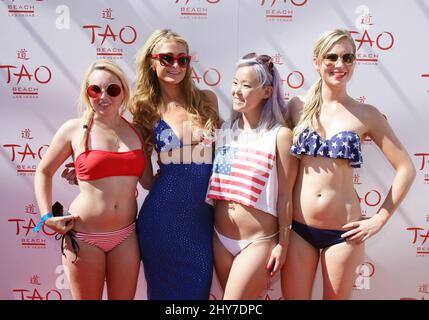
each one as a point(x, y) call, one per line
point(84, 103)
point(313, 98)
point(146, 102)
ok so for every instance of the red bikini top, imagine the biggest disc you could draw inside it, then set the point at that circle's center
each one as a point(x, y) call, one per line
point(97, 164)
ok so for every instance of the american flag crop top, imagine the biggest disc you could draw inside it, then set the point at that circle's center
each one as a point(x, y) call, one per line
point(244, 168)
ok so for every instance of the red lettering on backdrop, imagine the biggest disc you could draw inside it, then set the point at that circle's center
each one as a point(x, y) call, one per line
point(371, 198)
point(39, 152)
point(366, 38)
point(13, 149)
point(423, 155)
point(299, 4)
point(392, 40)
point(17, 224)
point(425, 237)
point(108, 32)
point(27, 151)
point(37, 77)
point(24, 73)
point(294, 2)
point(415, 229)
point(134, 32)
point(205, 77)
point(299, 84)
point(209, 1)
point(8, 71)
point(29, 226)
point(218, 77)
point(36, 294)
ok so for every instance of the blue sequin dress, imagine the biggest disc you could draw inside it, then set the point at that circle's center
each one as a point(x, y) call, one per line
point(175, 228)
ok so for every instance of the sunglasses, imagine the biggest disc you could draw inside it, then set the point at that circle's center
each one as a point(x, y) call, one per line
point(168, 59)
point(262, 59)
point(332, 58)
point(95, 91)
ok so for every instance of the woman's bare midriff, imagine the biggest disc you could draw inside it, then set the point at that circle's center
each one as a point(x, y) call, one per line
point(324, 196)
point(106, 204)
point(238, 221)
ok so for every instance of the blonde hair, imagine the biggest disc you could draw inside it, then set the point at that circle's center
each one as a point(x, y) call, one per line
point(146, 102)
point(313, 98)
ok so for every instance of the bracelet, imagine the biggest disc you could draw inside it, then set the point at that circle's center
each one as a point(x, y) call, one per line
point(288, 227)
point(42, 221)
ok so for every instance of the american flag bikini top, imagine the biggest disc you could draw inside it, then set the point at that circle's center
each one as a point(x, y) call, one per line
point(165, 137)
point(344, 145)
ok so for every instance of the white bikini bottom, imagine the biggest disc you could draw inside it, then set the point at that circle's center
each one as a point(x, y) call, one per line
point(236, 246)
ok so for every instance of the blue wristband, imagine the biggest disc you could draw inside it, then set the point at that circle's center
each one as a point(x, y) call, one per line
point(42, 221)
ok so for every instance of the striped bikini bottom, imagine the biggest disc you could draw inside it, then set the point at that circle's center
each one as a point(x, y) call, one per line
point(105, 241)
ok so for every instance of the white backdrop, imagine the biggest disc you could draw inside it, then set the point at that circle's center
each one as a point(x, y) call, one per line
point(46, 45)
